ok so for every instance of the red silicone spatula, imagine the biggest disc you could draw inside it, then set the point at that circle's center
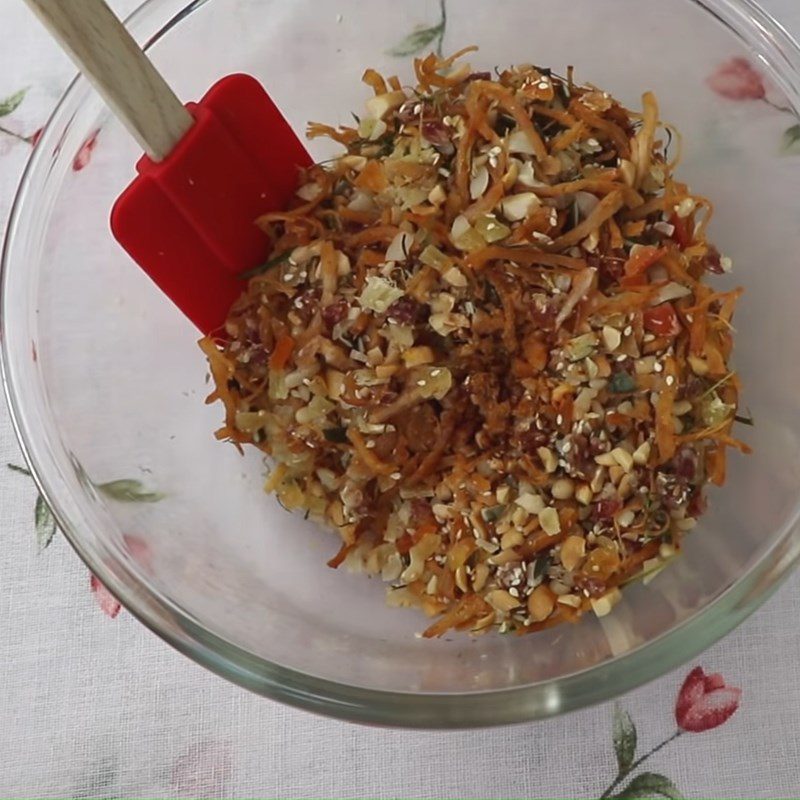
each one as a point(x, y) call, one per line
point(209, 170)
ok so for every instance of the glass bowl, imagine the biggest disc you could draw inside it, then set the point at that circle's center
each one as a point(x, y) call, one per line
point(105, 380)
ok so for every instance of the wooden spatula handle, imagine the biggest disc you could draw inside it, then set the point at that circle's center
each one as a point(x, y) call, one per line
point(110, 58)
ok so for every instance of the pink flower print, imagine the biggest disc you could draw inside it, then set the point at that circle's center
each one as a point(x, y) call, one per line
point(203, 770)
point(705, 702)
point(84, 155)
point(107, 602)
point(139, 550)
point(737, 79)
point(35, 136)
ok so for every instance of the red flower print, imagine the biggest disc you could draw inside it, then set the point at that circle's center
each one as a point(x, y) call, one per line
point(204, 770)
point(705, 702)
point(35, 136)
point(84, 155)
point(107, 602)
point(737, 79)
point(139, 550)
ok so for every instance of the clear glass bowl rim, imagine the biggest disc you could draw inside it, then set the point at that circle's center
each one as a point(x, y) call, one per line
point(151, 21)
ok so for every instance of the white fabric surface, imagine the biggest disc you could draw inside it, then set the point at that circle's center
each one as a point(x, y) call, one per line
point(95, 707)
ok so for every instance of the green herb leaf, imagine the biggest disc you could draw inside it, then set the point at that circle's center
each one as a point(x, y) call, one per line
point(418, 39)
point(21, 470)
point(128, 490)
point(12, 102)
point(261, 268)
point(331, 221)
point(493, 514)
point(649, 785)
point(386, 143)
point(790, 144)
point(337, 435)
point(624, 738)
point(541, 566)
point(45, 523)
point(80, 472)
point(622, 383)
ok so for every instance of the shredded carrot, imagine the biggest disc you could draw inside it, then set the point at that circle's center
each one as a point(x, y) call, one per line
point(522, 255)
point(431, 460)
point(617, 240)
point(677, 270)
point(665, 425)
point(468, 609)
point(366, 455)
point(315, 131)
point(596, 185)
point(341, 555)
point(564, 118)
point(328, 270)
point(381, 233)
point(643, 260)
point(507, 101)
point(643, 142)
point(603, 126)
point(717, 297)
point(566, 139)
point(541, 541)
point(605, 209)
point(375, 80)
point(486, 203)
point(631, 565)
point(280, 355)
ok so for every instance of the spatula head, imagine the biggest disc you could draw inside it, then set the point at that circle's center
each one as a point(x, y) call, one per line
point(189, 221)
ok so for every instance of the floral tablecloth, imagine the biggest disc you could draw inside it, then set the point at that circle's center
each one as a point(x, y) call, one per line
point(93, 705)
